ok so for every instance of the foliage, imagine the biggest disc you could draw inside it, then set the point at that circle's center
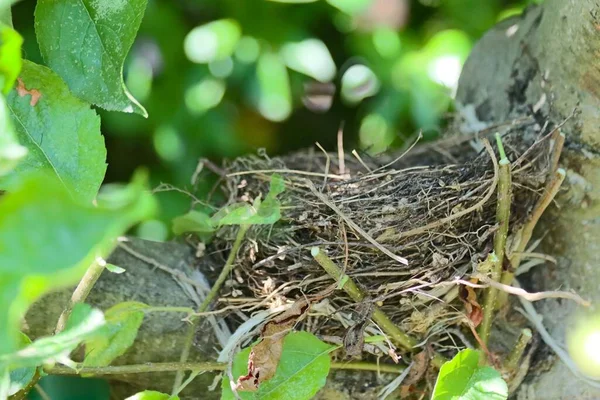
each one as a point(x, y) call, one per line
point(301, 372)
point(61, 133)
point(91, 63)
point(122, 323)
point(261, 212)
point(462, 378)
point(151, 395)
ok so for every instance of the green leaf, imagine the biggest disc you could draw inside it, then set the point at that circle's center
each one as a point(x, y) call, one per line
point(275, 100)
point(86, 42)
point(463, 379)
point(48, 240)
point(358, 83)
point(84, 322)
point(122, 324)
point(302, 370)
point(152, 395)
point(260, 213)
point(310, 57)
point(213, 41)
point(193, 221)
point(20, 377)
point(60, 131)
point(115, 269)
point(351, 6)
point(11, 152)
point(10, 57)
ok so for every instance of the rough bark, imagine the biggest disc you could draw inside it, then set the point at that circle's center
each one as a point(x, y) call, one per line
point(544, 62)
point(548, 67)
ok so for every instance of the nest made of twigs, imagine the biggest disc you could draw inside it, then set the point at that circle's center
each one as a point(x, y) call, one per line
point(435, 206)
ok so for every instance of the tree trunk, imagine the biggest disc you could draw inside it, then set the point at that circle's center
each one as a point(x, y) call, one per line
point(547, 62)
point(544, 63)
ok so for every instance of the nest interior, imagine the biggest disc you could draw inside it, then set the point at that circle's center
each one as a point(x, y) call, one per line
point(434, 205)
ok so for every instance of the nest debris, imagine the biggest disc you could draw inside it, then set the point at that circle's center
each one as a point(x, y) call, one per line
point(435, 206)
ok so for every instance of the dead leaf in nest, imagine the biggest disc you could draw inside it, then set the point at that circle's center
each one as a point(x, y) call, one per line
point(22, 91)
point(420, 365)
point(264, 357)
point(355, 337)
point(469, 298)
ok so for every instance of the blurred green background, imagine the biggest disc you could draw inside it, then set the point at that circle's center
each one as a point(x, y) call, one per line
point(221, 78)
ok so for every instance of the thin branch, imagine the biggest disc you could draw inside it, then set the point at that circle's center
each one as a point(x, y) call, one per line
point(527, 231)
point(514, 358)
point(379, 317)
point(199, 367)
point(82, 291)
point(502, 219)
point(185, 352)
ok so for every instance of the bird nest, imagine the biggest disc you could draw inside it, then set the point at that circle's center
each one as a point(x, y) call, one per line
point(434, 206)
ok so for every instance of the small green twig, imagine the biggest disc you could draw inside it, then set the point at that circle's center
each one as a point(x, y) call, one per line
point(185, 352)
point(527, 231)
point(513, 359)
point(82, 291)
point(198, 367)
point(381, 319)
point(137, 368)
point(502, 219)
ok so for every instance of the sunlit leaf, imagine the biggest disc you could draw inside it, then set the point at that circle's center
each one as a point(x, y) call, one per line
point(358, 83)
point(310, 57)
point(60, 131)
point(275, 98)
point(213, 41)
point(193, 221)
point(375, 133)
point(302, 371)
point(260, 213)
point(10, 149)
point(351, 6)
point(118, 334)
point(293, 1)
point(83, 323)
point(48, 240)
point(20, 377)
point(10, 57)
point(86, 42)
point(462, 378)
point(115, 269)
point(204, 95)
point(152, 395)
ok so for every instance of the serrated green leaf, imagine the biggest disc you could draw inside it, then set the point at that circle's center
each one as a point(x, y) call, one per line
point(10, 57)
point(463, 379)
point(301, 372)
point(152, 395)
point(213, 41)
point(20, 377)
point(86, 42)
point(118, 334)
point(115, 269)
point(48, 240)
point(61, 132)
point(83, 323)
point(193, 221)
point(11, 152)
